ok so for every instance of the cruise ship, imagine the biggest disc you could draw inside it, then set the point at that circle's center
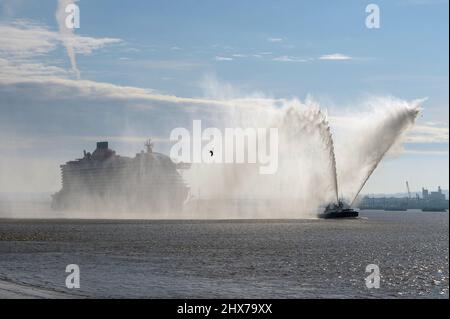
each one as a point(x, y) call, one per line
point(103, 180)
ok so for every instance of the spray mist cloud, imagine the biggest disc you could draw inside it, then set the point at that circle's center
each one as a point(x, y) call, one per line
point(316, 167)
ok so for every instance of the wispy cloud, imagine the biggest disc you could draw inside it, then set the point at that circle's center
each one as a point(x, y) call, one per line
point(273, 40)
point(426, 152)
point(131, 50)
point(23, 72)
point(22, 39)
point(419, 133)
point(176, 65)
point(222, 58)
point(335, 57)
point(11, 70)
point(22, 42)
point(428, 134)
point(285, 58)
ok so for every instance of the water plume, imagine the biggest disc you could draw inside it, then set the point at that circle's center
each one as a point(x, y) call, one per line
point(366, 137)
point(311, 120)
point(306, 176)
point(316, 167)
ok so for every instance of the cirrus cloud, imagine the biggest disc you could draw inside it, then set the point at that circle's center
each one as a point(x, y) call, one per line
point(335, 57)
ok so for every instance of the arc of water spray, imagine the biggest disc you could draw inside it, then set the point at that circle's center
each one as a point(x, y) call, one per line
point(327, 139)
point(368, 175)
point(310, 119)
point(411, 114)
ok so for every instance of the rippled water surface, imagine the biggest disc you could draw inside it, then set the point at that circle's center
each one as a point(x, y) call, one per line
point(241, 258)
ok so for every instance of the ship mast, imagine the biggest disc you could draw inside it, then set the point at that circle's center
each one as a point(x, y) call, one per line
point(149, 145)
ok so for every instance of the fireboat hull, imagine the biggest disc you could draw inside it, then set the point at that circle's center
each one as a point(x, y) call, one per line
point(339, 213)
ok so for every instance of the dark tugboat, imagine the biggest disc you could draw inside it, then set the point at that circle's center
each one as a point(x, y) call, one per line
point(149, 182)
point(339, 210)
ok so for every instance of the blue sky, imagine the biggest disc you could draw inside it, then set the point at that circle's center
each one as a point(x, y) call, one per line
point(281, 49)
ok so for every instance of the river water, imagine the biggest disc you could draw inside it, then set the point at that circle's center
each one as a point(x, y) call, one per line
point(307, 258)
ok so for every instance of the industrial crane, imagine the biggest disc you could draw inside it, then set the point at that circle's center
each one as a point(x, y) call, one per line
point(409, 191)
point(409, 195)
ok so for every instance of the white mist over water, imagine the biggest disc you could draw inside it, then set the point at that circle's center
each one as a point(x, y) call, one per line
point(315, 166)
point(306, 175)
point(319, 158)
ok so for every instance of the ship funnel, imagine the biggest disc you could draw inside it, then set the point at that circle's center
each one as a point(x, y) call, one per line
point(102, 145)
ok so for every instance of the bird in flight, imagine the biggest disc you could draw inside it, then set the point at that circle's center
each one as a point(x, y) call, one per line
point(211, 152)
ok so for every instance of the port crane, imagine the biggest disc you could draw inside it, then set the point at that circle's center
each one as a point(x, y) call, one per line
point(409, 191)
point(409, 195)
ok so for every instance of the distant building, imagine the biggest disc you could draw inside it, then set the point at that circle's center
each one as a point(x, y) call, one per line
point(430, 201)
point(433, 196)
point(425, 193)
point(434, 201)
